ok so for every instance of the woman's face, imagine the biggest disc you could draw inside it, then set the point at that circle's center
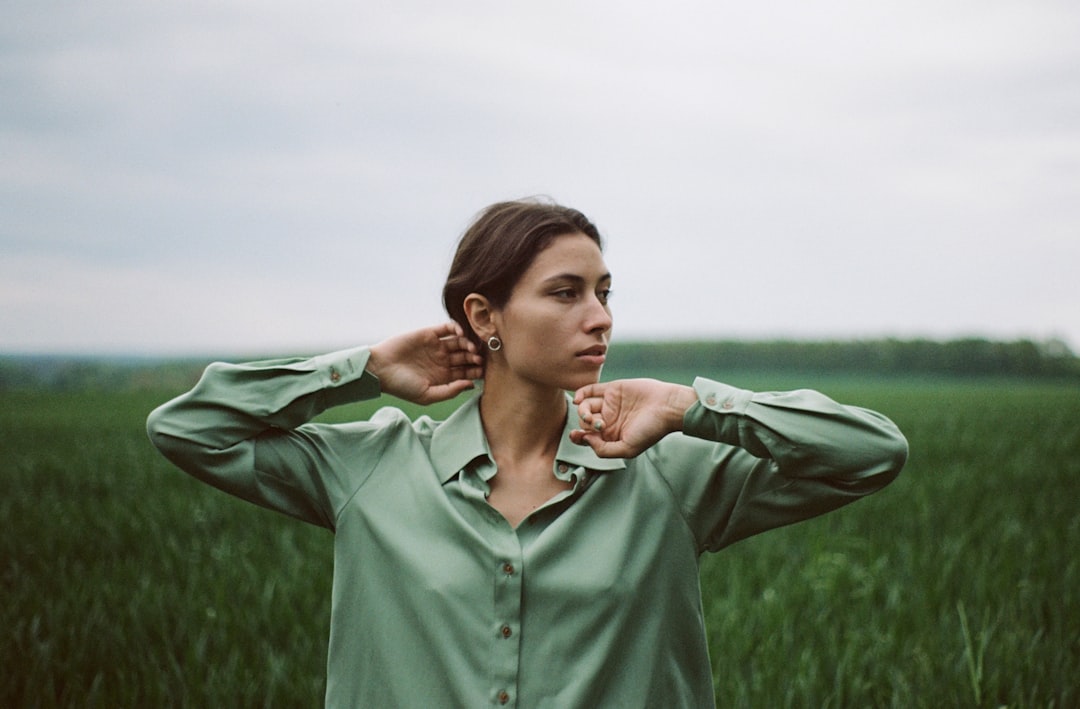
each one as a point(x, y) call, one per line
point(556, 325)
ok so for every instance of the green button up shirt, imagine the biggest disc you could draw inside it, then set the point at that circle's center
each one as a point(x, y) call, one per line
point(592, 601)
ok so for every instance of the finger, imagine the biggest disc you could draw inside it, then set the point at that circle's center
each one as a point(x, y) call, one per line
point(458, 343)
point(588, 409)
point(447, 329)
point(605, 449)
point(442, 392)
point(470, 373)
point(456, 387)
point(450, 341)
point(588, 391)
point(465, 359)
point(585, 437)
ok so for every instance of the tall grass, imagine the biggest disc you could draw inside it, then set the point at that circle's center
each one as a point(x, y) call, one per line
point(125, 583)
point(956, 586)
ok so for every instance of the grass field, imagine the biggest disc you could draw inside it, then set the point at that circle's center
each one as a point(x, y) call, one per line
point(125, 583)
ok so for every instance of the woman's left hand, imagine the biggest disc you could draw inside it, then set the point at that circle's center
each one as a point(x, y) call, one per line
point(620, 419)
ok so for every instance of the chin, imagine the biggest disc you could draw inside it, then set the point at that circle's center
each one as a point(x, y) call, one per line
point(576, 382)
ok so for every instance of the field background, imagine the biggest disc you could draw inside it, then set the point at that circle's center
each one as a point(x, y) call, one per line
point(125, 583)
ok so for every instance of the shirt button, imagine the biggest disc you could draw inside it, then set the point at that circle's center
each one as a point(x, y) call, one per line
point(335, 376)
point(563, 467)
point(506, 631)
point(508, 569)
point(504, 697)
point(728, 404)
point(710, 400)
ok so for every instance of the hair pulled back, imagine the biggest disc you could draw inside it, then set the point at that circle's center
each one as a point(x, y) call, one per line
point(499, 247)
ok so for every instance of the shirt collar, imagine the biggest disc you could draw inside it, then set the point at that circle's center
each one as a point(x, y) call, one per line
point(460, 439)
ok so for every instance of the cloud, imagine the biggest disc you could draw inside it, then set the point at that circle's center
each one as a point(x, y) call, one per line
point(837, 168)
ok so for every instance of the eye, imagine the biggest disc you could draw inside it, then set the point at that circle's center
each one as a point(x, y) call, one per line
point(604, 295)
point(565, 294)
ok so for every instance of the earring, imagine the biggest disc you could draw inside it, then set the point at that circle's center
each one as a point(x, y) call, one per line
point(494, 343)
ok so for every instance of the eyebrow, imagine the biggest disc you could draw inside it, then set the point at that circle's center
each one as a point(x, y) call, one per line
point(574, 278)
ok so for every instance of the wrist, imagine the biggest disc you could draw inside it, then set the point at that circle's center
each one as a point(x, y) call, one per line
point(375, 361)
point(680, 400)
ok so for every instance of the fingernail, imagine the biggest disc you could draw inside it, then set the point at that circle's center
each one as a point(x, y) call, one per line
point(597, 424)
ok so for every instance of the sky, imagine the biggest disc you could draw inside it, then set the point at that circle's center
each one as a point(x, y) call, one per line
point(266, 177)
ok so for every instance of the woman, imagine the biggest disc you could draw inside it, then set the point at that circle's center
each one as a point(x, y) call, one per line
point(534, 549)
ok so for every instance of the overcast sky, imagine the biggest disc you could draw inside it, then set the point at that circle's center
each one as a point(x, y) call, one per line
point(242, 176)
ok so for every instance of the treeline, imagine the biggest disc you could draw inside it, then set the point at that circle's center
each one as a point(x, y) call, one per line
point(74, 373)
point(969, 357)
point(966, 357)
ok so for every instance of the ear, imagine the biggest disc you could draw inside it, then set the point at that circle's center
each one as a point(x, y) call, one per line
point(481, 315)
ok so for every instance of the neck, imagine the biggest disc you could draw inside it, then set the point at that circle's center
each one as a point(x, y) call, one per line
point(520, 420)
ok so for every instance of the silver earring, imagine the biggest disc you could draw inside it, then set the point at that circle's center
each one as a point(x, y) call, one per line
point(494, 343)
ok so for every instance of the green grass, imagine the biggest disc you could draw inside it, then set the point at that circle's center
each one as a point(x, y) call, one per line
point(125, 583)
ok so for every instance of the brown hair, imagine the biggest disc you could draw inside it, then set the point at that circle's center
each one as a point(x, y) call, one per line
point(499, 247)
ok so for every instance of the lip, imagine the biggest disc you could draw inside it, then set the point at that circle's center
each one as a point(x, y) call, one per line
point(595, 355)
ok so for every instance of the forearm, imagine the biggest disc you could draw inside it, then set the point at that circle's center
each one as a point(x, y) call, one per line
point(234, 430)
point(807, 434)
point(236, 402)
point(748, 462)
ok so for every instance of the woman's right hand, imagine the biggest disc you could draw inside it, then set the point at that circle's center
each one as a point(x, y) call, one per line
point(427, 365)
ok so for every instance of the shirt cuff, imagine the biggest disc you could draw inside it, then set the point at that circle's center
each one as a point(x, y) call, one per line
point(715, 415)
point(344, 378)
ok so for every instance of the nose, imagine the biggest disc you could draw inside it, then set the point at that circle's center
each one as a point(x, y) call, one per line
point(598, 319)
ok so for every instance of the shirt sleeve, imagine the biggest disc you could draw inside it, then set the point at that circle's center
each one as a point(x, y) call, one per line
point(242, 429)
point(748, 462)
